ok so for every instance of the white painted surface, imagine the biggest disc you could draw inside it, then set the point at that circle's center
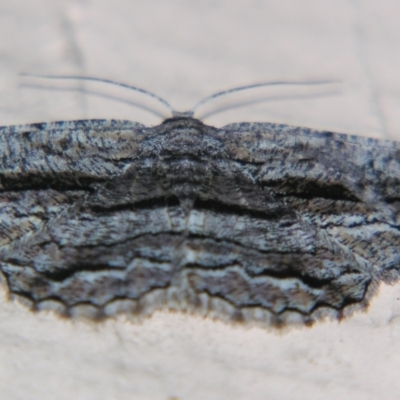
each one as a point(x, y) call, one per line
point(184, 50)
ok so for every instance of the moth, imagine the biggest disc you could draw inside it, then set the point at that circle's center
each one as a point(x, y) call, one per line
point(256, 222)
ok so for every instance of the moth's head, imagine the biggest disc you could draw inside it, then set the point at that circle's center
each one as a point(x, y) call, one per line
point(183, 114)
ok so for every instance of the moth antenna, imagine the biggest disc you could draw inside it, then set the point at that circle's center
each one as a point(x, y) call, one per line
point(109, 81)
point(255, 85)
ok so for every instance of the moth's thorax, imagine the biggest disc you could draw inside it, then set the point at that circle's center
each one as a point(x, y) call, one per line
point(183, 137)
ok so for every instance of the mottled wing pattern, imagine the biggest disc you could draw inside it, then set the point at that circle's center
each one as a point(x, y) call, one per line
point(346, 189)
point(47, 171)
point(253, 222)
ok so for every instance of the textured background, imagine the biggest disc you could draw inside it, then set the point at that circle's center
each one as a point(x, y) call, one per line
point(184, 50)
